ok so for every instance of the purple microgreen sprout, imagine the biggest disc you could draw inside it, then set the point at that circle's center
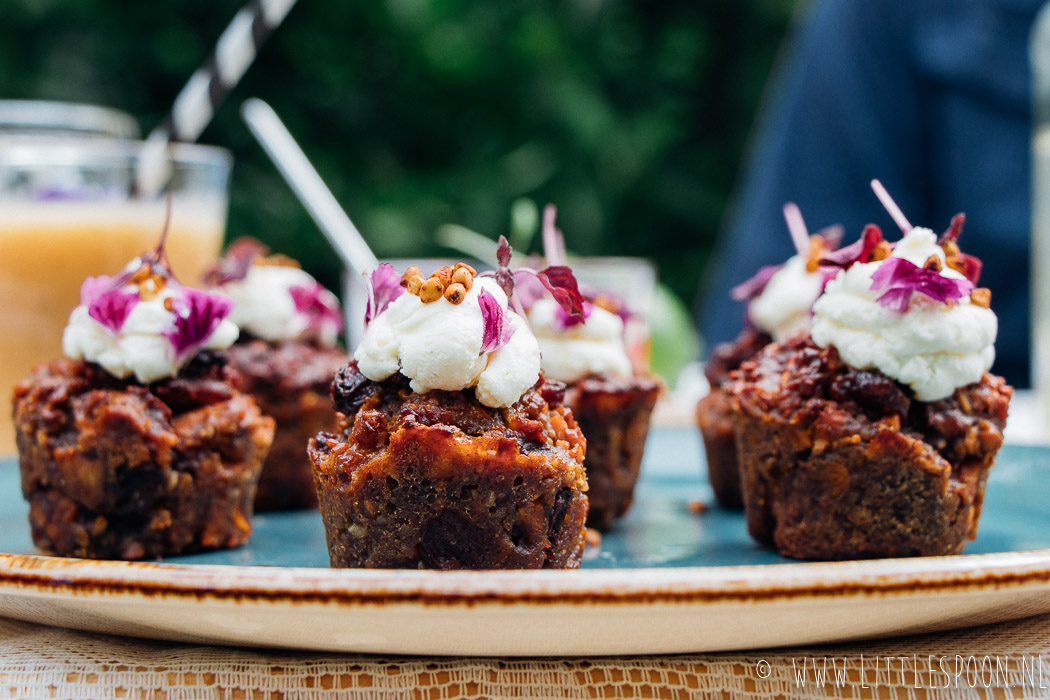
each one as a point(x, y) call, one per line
point(897, 279)
point(797, 227)
point(754, 286)
point(891, 206)
point(112, 307)
point(235, 264)
point(969, 265)
point(504, 277)
point(954, 229)
point(197, 315)
point(384, 285)
point(557, 280)
point(497, 331)
point(318, 305)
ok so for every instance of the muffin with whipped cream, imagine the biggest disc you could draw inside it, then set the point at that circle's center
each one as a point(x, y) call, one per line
point(452, 451)
point(873, 435)
point(137, 444)
point(286, 357)
point(611, 400)
point(780, 300)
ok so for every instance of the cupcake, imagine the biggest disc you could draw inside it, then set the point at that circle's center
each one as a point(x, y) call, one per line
point(286, 357)
point(612, 403)
point(137, 444)
point(452, 451)
point(873, 435)
point(779, 299)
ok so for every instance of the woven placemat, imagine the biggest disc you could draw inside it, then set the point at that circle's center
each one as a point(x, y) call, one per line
point(1009, 660)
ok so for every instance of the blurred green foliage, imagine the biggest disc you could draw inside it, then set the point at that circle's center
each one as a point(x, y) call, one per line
point(630, 116)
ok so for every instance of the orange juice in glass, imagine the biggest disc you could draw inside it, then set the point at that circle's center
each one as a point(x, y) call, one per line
point(68, 211)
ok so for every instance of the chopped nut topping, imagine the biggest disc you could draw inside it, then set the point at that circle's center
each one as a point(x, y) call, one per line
point(817, 248)
point(444, 275)
point(881, 251)
point(464, 266)
point(411, 272)
point(278, 260)
point(607, 303)
point(414, 283)
point(933, 263)
point(982, 296)
point(456, 293)
point(169, 305)
point(140, 275)
point(432, 290)
point(150, 287)
point(461, 275)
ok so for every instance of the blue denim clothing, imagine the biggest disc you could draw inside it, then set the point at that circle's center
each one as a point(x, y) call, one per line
point(930, 96)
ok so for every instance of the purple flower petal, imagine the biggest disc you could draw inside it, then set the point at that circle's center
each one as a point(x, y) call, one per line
point(858, 251)
point(318, 305)
point(897, 278)
point(235, 263)
point(561, 283)
point(497, 331)
point(197, 315)
point(384, 285)
point(94, 287)
point(563, 321)
point(111, 308)
point(751, 288)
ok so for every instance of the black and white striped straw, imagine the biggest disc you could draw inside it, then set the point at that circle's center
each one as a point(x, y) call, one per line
point(208, 86)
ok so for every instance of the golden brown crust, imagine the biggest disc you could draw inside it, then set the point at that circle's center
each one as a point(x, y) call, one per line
point(838, 463)
point(438, 480)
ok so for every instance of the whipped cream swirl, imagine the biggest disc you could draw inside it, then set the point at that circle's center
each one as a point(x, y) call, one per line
point(439, 346)
point(282, 303)
point(149, 329)
point(783, 307)
point(571, 353)
point(934, 347)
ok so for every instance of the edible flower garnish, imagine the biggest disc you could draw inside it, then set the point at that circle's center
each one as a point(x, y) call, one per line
point(111, 300)
point(497, 331)
point(898, 278)
point(818, 249)
point(860, 251)
point(557, 279)
point(968, 265)
point(317, 305)
point(197, 315)
point(111, 307)
point(384, 285)
point(235, 262)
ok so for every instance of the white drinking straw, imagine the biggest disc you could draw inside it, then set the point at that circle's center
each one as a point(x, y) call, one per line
point(891, 206)
point(304, 180)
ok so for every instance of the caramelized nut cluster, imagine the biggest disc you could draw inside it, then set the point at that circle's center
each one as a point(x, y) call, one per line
point(452, 283)
point(881, 251)
point(149, 283)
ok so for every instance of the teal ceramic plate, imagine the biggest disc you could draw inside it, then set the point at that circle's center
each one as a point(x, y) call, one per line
point(665, 580)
